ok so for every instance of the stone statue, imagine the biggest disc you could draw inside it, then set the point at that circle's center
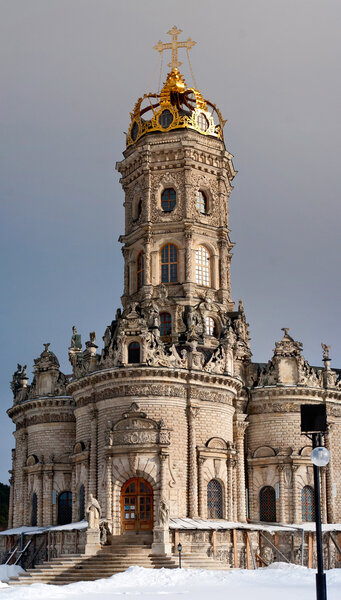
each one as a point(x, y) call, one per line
point(325, 349)
point(18, 378)
point(163, 514)
point(93, 512)
point(76, 340)
point(92, 336)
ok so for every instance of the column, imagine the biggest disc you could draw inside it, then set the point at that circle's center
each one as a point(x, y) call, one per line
point(75, 512)
point(281, 503)
point(147, 261)
point(229, 508)
point(330, 500)
point(201, 489)
point(109, 488)
point(234, 491)
point(125, 253)
point(10, 507)
point(48, 519)
point(188, 254)
point(192, 413)
point(40, 519)
point(222, 283)
point(93, 453)
point(296, 516)
point(25, 500)
point(239, 430)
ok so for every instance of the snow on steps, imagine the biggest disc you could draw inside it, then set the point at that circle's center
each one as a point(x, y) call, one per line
point(108, 561)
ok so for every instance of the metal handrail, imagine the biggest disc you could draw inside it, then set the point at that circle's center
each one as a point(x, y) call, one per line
point(12, 554)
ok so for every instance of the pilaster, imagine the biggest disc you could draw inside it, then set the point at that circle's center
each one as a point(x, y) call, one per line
point(239, 430)
point(192, 412)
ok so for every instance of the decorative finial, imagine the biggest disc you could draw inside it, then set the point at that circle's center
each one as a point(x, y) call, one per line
point(325, 349)
point(174, 45)
point(47, 347)
point(285, 329)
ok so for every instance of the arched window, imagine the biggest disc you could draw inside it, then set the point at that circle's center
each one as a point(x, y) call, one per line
point(210, 326)
point(168, 200)
point(308, 503)
point(267, 504)
point(81, 503)
point(169, 264)
point(64, 508)
point(214, 500)
point(165, 323)
point(34, 509)
point(134, 352)
point(202, 266)
point(139, 208)
point(202, 202)
point(140, 270)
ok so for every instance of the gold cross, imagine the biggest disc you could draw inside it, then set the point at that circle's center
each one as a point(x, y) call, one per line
point(174, 45)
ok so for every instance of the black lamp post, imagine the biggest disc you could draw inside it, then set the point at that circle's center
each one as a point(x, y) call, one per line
point(179, 550)
point(314, 422)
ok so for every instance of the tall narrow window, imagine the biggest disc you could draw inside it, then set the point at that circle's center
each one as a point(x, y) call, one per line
point(169, 264)
point(165, 324)
point(210, 326)
point(34, 510)
point(81, 503)
point(214, 500)
point(64, 508)
point(267, 504)
point(140, 270)
point(168, 200)
point(134, 352)
point(308, 503)
point(201, 202)
point(202, 266)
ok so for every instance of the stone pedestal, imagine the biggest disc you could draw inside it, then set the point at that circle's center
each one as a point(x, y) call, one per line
point(161, 543)
point(92, 541)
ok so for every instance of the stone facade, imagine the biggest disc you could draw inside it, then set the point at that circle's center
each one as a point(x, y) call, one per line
point(172, 399)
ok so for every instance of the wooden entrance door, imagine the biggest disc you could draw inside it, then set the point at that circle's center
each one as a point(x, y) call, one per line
point(137, 505)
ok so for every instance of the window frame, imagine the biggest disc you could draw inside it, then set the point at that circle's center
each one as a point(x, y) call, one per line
point(307, 504)
point(164, 323)
point(214, 512)
point(168, 204)
point(129, 349)
point(271, 504)
point(201, 202)
point(209, 326)
point(172, 265)
point(202, 270)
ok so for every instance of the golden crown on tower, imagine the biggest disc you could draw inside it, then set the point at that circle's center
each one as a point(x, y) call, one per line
point(176, 106)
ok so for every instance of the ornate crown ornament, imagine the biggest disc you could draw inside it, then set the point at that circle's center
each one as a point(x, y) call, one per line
point(176, 106)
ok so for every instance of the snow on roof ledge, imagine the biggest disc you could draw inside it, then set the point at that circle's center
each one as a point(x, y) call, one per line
point(186, 523)
point(37, 530)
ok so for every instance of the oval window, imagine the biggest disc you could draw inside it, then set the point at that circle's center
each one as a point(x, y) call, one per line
point(166, 119)
point(202, 122)
point(134, 131)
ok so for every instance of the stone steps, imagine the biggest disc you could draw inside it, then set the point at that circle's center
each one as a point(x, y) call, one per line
point(108, 561)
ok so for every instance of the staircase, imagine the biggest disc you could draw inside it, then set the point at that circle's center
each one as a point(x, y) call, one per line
point(123, 553)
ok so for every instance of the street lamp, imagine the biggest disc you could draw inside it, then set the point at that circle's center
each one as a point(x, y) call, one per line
point(179, 550)
point(314, 422)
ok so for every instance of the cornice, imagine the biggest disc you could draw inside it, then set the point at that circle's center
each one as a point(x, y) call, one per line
point(44, 402)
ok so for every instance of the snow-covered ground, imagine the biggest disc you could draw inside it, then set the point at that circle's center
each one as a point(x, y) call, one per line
point(277, 582)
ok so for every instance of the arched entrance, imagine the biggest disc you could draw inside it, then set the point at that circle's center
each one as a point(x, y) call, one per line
point(136, 505)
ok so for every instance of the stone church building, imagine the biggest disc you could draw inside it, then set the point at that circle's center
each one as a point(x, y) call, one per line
point(169, 418)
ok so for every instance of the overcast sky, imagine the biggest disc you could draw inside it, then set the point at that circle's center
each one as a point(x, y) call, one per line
point(71, 71)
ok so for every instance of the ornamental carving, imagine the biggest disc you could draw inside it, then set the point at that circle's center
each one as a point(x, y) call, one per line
point(135, 428)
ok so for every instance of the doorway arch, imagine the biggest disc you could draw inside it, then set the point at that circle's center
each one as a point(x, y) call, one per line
point(136, 505)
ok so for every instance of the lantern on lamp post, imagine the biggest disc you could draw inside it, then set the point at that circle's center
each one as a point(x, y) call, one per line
point(314, 426)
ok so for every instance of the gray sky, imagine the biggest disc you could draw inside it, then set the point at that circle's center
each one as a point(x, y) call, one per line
point(71, 71)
